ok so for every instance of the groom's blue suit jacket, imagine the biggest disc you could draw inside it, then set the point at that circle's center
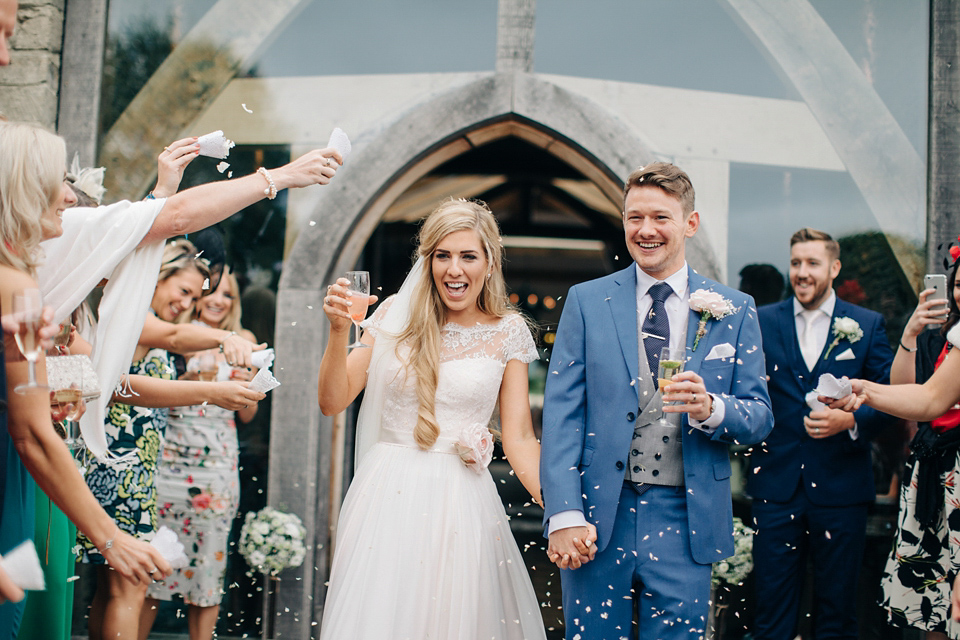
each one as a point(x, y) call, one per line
point(835, 471)
point(591, 404)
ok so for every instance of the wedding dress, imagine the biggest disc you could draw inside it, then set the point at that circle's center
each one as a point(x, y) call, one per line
point(423, 546)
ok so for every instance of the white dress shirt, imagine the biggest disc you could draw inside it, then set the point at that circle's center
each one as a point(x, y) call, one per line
point(820, 326)
point(678, 312)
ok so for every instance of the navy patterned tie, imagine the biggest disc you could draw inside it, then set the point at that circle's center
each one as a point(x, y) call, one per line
point(656, 327)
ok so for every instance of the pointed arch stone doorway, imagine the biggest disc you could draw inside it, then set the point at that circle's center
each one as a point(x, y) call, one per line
point(308, 451)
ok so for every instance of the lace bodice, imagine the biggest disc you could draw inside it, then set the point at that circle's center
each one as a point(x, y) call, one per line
point(472, 361)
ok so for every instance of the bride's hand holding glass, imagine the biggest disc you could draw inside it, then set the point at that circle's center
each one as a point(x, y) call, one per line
point(337, 306)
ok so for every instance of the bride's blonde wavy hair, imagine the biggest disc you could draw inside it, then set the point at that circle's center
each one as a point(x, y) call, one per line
point(428, 314)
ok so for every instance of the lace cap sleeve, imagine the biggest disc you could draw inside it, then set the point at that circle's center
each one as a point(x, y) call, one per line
point(518, 343)
point(372, 324)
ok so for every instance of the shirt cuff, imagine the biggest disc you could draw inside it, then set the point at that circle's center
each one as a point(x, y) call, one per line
point(854, 432)
point(566, 520)
point(711, 423)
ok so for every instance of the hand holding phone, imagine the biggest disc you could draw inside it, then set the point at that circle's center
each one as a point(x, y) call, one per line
point(937, 282)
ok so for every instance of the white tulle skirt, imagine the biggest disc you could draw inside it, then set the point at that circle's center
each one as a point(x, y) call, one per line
point(424, 550)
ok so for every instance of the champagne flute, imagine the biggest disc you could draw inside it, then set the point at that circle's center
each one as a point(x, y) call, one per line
point(69, 399)
point(358, 292)
point(207, 362)
point(28, 311)
point(670, 364)
point(61, 340)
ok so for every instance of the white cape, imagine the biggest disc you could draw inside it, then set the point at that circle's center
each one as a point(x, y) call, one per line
point(100, 243)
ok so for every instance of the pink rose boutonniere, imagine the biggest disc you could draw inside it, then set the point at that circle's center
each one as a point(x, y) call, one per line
point(475, 446)
point(709, 304)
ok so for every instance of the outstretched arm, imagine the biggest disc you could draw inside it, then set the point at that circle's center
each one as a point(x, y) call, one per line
point(188, 338)
point(208, 204)
point(910, 401)
point(155, 392)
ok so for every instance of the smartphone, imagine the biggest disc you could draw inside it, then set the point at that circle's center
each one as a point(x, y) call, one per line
point(937, 282)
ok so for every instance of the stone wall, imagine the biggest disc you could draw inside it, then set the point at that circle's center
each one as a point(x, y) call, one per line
point(30, 85)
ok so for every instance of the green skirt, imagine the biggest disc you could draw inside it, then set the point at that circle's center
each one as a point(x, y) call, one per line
point(49, 613)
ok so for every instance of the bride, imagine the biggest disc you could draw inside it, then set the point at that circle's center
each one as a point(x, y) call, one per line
point(424, 548)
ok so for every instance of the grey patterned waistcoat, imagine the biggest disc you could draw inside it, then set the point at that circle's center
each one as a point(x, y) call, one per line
point(656, 452)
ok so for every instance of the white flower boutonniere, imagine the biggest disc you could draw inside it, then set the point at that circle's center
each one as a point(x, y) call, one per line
point(844, 329)
point(709, 304)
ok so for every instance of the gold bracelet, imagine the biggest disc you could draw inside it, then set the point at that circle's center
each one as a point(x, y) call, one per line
point(271, 190)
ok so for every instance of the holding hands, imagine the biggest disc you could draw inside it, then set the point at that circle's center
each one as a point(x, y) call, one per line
point(572, 547)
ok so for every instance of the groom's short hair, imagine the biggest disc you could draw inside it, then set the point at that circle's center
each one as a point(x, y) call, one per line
point(813, 235)
point(665, 176)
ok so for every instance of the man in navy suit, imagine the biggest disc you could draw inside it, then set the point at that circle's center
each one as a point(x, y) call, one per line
point(657, 490)
point(812, 479)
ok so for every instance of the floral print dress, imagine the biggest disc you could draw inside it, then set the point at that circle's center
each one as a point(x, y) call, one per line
point(128, 493)
point(198, 494)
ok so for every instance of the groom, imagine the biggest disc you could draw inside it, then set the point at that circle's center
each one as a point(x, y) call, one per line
point(658, 491)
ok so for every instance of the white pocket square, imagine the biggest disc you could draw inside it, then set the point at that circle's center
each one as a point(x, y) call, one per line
point(846, 355)
point(724, 350)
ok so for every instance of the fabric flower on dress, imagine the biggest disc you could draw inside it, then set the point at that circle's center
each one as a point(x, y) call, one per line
point(475, 446)
point(709, 304)
point(844, 329)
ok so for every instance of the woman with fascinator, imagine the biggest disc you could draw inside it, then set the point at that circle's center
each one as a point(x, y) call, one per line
point(424, 548)
point(925, 386)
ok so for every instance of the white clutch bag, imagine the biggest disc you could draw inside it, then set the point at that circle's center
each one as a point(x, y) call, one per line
point(61, 371)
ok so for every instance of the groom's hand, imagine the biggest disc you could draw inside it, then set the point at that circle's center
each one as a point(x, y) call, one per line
point(687, 389)
point(572, 547)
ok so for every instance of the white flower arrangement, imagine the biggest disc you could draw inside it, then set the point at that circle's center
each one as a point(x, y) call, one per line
point(709, 304)
point(735, 569)
point(844, 329)
point(271, 541)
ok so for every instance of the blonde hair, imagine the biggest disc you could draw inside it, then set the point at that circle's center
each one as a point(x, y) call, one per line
point(178, 255)
point(32, 166)
point(428, 314)
point(231, 321)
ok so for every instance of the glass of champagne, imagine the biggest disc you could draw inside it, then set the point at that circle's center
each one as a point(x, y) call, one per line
point(68, 400)
point(28, 311)
point(358, 292)
point(207, 362)
point(61, 340)
point(670, 364)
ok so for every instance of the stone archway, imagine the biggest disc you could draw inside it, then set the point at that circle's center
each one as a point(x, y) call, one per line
point(305, 451)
